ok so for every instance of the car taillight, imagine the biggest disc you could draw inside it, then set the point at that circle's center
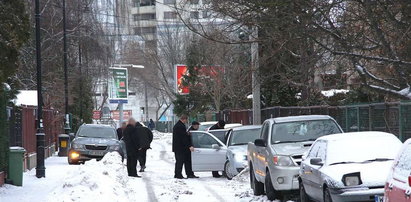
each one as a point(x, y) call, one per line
point(409, 181)
point(275, 159)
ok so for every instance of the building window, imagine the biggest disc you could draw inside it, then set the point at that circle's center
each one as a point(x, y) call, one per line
point(170, 15)
point(206, 14)
point(194, 1)
point(194, 14)
point(169, 1)
point(147, 2)
point(145, 16)
point(136, 3)
point(144, 30)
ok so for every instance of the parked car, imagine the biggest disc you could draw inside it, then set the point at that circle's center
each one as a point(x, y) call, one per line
point(398, 184)
point(209, 152)
point(347, 167)
point(274, 159)
point(93, 141)
point(237, 141)
point(204, 126)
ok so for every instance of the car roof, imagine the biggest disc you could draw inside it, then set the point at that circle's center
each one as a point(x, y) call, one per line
point(208, 122)
point(232, 125)
point(217, 130)
point(300, 118)
point(248, 127)
point(97, 125)
point(356, 135)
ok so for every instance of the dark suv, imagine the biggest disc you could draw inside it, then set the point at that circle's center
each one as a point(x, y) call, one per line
point(93, 141)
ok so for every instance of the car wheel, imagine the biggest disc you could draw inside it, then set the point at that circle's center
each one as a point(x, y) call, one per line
point(71, 162)
point(327, 195)
point(303, 195)
point(258, 187)
point(272, 194)
point(227, 170)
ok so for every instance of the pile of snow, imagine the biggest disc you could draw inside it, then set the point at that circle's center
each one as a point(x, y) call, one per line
point(332, 92)
point(95, 180)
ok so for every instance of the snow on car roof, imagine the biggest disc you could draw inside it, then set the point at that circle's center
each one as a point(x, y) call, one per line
point(300, 118)
point(247, 127)
point(356, 135)
point(208, 122)
point(97, 125)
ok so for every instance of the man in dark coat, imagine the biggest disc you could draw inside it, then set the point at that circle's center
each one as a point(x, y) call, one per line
point(121, 130)
point(182, 149)
point(146, 137)
point(219, 125)
point(132, 146)
point(151, 124)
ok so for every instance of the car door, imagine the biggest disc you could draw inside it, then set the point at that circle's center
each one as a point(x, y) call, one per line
point(204, 157)
point(307, 170)
point(260, 154)
point(398, 187)
point(317, 181)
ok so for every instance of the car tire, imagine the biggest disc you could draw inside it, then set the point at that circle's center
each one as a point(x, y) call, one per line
point(257, 187)
point(303, 195)
point(271, 193)
point(227, 172)
point(327, 195)
point(71, 162)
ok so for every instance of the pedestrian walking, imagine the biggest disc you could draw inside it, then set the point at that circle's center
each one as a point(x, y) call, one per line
point(182, 149)
point(121, 130)
point(132, 146)
point(145, 138)
point(151, 125)
point(219, 125)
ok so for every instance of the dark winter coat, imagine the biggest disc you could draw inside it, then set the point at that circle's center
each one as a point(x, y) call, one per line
point(216, 127)
point(131, 139)
point(119, 133)
point(151, 125)
point(145, 136)
point(189, 134)
point(181, 139)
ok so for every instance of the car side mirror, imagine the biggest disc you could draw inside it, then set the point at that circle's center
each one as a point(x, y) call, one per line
point(215, 146)
point(316, 161)
point(259, 143)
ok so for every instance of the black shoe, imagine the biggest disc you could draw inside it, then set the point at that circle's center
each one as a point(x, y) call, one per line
point(192, 176)
point(142, 169)
point(179, 177)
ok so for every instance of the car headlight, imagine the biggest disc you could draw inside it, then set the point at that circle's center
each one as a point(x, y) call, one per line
point(352, 179)
point(240, 157)
point(283, 161)
point(77, 146)
point(114, 147)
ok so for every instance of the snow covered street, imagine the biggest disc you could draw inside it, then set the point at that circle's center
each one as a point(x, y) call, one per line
point(107, 180)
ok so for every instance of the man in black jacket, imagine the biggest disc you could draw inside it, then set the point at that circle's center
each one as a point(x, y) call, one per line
point(146, 137)
point(182, 149)
point(132, 146)
point(219, 125)
point(121, 130)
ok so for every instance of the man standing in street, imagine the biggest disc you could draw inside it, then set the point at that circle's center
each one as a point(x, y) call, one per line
point(151, 124)
point(132, 146)
point(219, 125)
point(145, 138)
point(182, 149)
point(121, 130)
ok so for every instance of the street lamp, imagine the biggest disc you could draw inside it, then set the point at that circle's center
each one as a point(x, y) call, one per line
point(120, 104)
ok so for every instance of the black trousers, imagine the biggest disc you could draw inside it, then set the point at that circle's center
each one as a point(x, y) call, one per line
point(183, 158)
point(142, 156)
point(131, 165)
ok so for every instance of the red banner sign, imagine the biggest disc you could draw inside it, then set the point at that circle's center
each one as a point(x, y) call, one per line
point(96, 114)
point(181, 71)
point(115, 114)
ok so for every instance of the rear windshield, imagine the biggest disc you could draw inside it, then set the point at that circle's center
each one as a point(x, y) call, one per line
point(97, 132)
point(243, 137)
point(303, 130)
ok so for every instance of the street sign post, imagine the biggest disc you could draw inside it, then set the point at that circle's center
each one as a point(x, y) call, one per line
point(118, 88)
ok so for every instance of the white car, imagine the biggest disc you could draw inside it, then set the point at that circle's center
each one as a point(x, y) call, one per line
point(347, 167)
point(204, 126)
point(209, 152)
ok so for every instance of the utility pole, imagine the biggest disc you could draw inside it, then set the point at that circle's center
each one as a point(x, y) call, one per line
point(67, 119)
point(40, 168)
point(146, 101)
point(255, 69)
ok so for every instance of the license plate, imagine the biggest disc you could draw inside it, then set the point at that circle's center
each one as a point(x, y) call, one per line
point(97, 153)
point(379, 198)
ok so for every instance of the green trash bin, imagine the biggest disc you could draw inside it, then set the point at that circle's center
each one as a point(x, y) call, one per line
point(15, 172)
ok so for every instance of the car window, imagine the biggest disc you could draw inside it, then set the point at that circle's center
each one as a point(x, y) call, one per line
point(203, 140)
point(265, 131)
point(318, 150)
point(97, 132)
point(243, 137)
point(303, 130)
point(314, 150)
point(220, 134)
point(403, 167)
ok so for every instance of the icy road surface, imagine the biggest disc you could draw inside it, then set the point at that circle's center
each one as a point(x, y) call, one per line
point(107, 180)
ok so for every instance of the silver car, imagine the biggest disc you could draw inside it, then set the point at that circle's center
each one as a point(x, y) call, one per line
point(209, 152)
point(347, 167)
point(93, 141)
point(237, 141)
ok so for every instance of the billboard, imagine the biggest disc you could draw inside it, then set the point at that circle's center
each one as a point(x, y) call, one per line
point(118, 85)
point(181, 71)
point(115, 114)
point(96, 114)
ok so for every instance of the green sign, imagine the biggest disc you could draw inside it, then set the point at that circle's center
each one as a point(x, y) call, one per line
point(118, 84)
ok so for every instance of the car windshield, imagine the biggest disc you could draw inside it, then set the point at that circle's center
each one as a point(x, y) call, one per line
point(351, 150)
point(242, 137)
point(300, 131)
point(97, 132)
point(219, 134)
